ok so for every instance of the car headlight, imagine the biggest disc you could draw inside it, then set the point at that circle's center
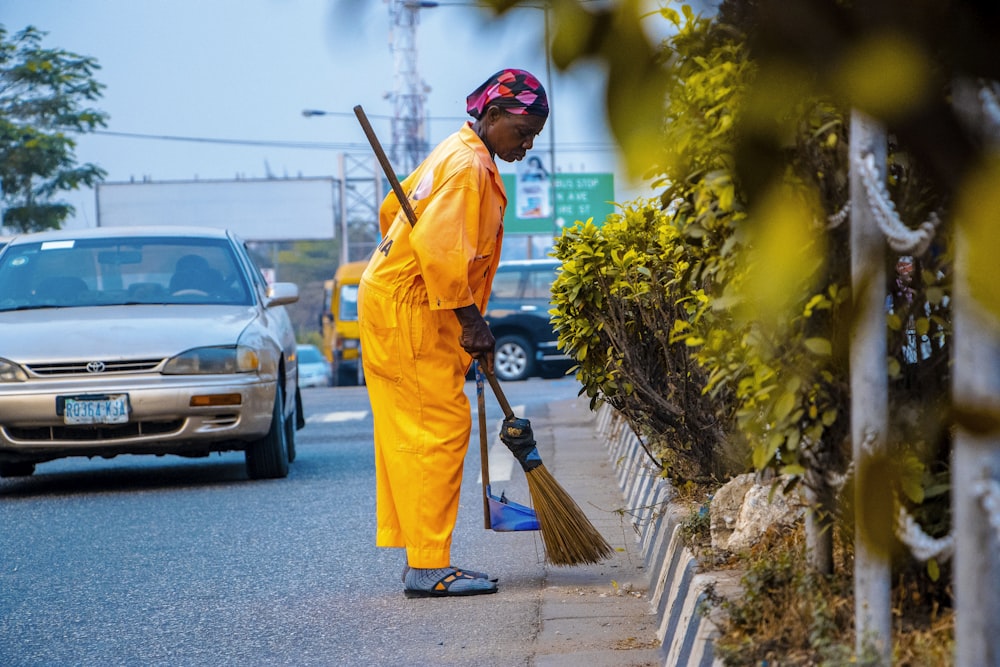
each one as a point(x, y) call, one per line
point(214, 361)
point(11, 372)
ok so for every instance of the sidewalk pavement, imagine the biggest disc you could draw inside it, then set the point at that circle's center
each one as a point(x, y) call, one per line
point(594, 615)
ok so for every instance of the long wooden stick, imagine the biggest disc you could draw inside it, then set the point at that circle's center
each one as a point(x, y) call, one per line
point(386, 166)
point(484, 457)
point(508, 413)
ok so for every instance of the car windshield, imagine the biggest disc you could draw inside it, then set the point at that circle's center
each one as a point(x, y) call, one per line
point(506, 284)
point(310, 355)
point(349, 303)
point(524, 282)
point(120, 271)
point(539, 284)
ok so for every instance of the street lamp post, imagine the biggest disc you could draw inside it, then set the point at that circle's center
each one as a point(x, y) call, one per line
point(552, 125)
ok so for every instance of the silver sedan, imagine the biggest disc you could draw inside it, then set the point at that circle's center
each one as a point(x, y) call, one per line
point(144, 341)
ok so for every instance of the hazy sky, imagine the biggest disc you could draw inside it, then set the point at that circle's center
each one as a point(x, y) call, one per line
point(242, 71)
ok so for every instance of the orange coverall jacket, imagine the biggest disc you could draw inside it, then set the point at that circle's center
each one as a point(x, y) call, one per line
point(414, 365)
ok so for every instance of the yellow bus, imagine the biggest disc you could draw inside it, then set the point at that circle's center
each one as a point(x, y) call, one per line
point(341, 335)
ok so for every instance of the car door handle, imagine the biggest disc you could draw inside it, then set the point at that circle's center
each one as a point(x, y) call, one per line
point(529, 307)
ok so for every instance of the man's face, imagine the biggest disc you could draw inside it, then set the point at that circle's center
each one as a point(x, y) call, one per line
point(511, 136)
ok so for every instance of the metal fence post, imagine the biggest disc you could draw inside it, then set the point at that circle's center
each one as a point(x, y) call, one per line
point(975, 472)
point(869, 392)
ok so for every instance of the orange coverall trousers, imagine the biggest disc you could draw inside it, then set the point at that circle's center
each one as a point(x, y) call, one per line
point(411, 355)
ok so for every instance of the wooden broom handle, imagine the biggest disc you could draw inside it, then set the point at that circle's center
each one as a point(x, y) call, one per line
point(501, 399)
point(386, 166)
point(484, 459)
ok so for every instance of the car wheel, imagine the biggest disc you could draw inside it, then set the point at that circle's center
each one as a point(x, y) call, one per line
point(267, 458)
point(346, 378)
point(512, 360)
point(16, 469)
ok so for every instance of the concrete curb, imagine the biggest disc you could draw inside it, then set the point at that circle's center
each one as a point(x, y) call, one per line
point(596, 615)
point(678, 589)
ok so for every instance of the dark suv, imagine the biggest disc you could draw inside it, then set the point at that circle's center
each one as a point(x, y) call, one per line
point(518, 315)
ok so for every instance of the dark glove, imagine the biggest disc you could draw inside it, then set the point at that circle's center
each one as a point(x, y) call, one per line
point(476, 338)
point(516, 434)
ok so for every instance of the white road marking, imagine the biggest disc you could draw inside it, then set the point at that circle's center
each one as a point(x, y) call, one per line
point(501, 460)
point(501, 463)
point(343, 416)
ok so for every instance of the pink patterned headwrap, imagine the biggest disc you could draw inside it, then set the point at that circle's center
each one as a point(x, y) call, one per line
point(513, 90)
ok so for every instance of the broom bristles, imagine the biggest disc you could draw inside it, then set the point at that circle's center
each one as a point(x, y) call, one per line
point(569, 537)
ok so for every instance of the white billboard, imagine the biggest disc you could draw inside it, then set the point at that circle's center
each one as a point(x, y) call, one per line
point(255, 209)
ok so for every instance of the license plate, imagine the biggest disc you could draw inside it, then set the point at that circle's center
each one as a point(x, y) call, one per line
point(108, 409)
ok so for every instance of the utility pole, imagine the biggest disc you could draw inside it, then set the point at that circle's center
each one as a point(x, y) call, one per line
point(409, 127)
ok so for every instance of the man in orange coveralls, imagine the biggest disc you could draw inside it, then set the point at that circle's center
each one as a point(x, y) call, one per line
point(420, 304)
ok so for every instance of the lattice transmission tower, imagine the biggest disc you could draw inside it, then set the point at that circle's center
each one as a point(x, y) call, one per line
point(409, 124)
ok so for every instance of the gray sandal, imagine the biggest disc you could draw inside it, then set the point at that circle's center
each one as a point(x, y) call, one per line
point(449, 582)
point(471, 573)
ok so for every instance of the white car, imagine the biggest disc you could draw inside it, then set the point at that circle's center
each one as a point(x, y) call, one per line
point(143, 341)
point(314, 369)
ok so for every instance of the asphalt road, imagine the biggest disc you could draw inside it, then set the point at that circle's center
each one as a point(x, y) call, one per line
point(172, 561)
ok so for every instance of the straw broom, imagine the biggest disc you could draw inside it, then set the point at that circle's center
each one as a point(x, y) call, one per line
point(569, 537)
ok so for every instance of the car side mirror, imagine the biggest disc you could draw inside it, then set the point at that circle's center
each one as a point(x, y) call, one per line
point(280, 294)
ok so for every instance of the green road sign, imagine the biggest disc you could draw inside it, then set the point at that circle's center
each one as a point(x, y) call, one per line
point(536, 204)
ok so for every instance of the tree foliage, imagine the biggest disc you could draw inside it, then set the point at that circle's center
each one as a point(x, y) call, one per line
point(618, 298)
point(631, 290)
point(44, 99)
point(750, 286)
